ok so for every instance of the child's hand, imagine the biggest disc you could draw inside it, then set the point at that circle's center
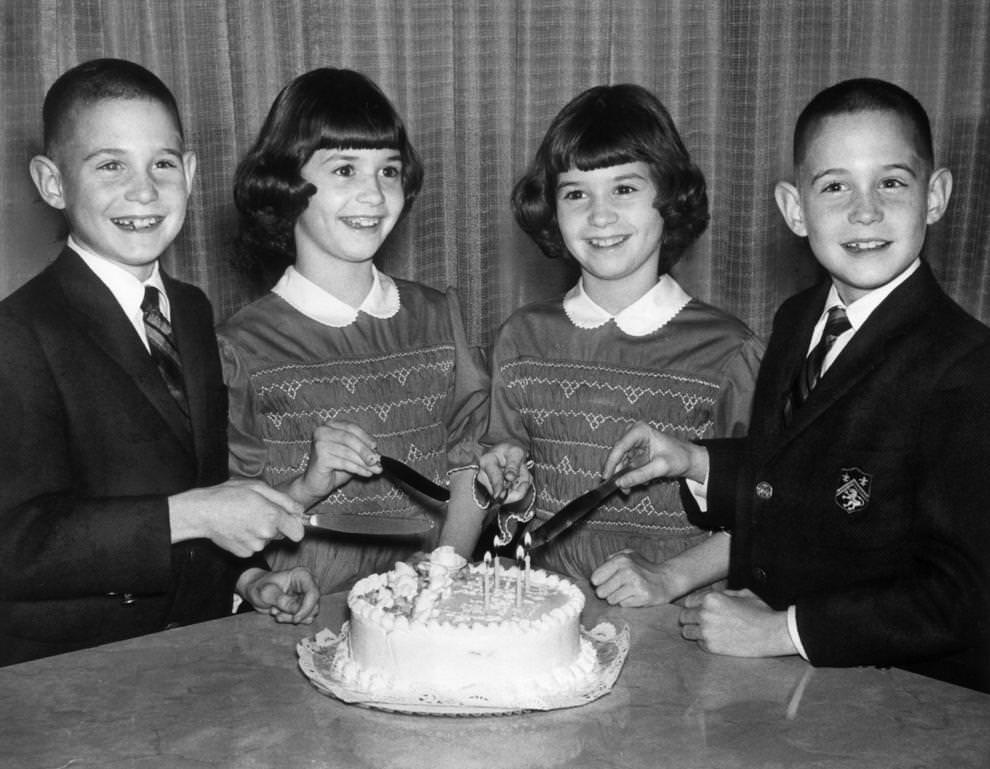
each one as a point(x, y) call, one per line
point(737, 623)
point(629, 579)
point(655, 455)
point(338, 451)
point(504, 473)
point(288, 596)
point(241, 516)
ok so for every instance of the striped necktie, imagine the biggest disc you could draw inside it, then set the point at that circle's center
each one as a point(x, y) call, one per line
point(163, 349)
point(836, 325)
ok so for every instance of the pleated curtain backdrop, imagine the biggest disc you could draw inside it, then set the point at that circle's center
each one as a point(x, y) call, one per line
point(478, 82)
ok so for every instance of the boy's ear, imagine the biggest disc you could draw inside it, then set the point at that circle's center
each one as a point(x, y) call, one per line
point(48, 179)
point(190, 162)
point(789, 202)
point(939, 191)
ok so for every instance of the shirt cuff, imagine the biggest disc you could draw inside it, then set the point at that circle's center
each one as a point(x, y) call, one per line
point(700, 492)
point(792, 631)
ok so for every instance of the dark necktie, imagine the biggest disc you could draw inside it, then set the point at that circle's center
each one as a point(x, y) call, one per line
point(163, 349)
point(836, 325)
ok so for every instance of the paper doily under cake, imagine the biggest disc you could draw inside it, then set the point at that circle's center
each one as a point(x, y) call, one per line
point(317, 653)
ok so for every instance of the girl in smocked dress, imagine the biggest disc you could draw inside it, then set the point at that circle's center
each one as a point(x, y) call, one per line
point(613, 188)
point(340, 363)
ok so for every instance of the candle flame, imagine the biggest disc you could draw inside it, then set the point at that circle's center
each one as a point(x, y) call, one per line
point(527, 540)
point(519, 552)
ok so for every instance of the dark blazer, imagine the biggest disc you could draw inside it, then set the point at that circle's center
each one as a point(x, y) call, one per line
point(870, 511)
point(91, 445)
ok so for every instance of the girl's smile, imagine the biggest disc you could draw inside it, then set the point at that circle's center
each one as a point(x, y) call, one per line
point(611, 227)
point(358, 200)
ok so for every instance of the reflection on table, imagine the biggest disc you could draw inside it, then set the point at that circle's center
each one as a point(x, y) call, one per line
point(228, 694)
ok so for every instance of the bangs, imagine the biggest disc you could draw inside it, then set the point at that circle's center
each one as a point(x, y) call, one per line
point(588, 156)
point(598, 141)
point(342, 115)
point(359, 132)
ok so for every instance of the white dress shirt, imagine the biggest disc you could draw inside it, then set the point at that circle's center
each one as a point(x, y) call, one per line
point(126, 289)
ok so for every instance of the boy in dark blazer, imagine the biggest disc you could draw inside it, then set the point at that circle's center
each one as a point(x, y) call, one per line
point(116, 512)
point(857, 505)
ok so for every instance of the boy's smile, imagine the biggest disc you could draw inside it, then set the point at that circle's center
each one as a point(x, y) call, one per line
point(142, 223)
point(864, 198)
point(123, 180)
point(610, 226)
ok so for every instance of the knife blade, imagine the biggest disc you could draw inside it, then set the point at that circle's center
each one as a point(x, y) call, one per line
point(395, 470)
point(576, 510)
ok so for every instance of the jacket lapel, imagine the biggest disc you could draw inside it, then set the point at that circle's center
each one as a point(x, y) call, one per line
point(111, 331)
point(866, 351)
point(779, 371)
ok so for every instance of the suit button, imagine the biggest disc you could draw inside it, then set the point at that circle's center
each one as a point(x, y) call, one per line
point(764, 490)
point(759, 575)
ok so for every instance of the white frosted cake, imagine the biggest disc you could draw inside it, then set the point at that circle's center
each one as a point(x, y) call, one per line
point(437, 631)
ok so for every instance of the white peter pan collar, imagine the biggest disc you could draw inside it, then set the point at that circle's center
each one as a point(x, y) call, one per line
point(312, 301)
point(650, 312)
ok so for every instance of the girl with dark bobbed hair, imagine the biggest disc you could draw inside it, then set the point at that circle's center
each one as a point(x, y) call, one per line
point(610, 126)
point(613, 188)
point(340, 363)
point(324, 108)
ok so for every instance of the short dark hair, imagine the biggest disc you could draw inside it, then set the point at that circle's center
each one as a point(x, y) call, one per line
point(604, 126)
point(863, 95)
point(98, 80)
point(325, 108)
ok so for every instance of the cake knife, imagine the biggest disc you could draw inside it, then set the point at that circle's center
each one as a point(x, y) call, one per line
point(394, 470)
point(576, 510)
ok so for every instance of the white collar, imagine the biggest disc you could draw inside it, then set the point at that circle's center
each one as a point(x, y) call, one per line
point(126, 289)
point(860, 310)
point(312, 301)
point(650, 312)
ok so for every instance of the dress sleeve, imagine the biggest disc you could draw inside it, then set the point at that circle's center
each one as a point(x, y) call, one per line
point(247, 452)
point(468, 412)
point(739, 383)
point(504, 422)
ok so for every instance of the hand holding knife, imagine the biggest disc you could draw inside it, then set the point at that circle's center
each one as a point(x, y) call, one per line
point(577, 510)
point(639, 456)
point(503, 475)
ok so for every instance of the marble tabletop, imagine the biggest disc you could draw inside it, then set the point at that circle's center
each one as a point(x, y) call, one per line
point(228, 694)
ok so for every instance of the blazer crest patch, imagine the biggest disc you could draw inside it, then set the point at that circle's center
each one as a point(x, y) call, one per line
point(853, 493)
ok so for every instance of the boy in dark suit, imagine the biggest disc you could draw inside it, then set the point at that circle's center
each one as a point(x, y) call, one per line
point(857, 503)
point(116, 515)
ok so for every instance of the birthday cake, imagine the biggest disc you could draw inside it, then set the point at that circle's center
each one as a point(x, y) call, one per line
point(448, 630)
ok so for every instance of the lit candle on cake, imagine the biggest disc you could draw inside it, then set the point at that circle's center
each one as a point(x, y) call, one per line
point(484, 578)
point(527, 544)
point(496, 574)
point(519, 576)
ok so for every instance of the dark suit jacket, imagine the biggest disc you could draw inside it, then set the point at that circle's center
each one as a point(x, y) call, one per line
point(870, 511)
point(91, 445)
